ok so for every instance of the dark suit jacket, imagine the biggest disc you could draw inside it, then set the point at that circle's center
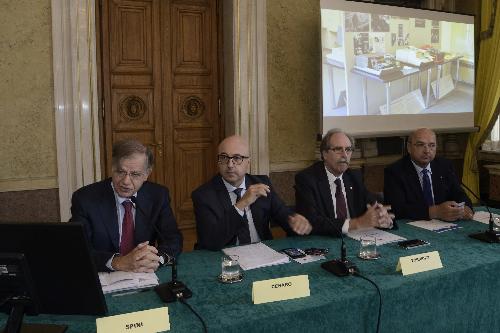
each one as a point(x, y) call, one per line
point(402, 189)
point(94, 205)
point(313, 198)
point(218, 222)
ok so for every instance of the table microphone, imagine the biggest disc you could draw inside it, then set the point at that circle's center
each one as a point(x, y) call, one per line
point(173, 290)
point(168, 291)
point(342, 266)
point(490, 235)
point(139, 208)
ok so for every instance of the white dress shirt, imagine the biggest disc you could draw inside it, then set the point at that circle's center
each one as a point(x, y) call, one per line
point(421, 176)
point(254, 236)
point(120, 212)
point(333, 189)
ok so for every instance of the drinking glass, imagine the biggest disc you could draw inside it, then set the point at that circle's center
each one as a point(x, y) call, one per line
point(230, 267)
point(368, 248)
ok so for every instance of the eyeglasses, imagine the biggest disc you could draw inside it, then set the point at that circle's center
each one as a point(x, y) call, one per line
point(340, 150)
point(134, 175)
point(237, 159)
point(421, 145)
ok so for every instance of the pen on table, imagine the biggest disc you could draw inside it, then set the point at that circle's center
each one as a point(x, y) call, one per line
point(131, 292)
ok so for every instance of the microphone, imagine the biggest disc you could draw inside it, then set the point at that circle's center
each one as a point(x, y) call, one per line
point(139, 208)
point(342, 266)
point(173, 290)
point(490, 235)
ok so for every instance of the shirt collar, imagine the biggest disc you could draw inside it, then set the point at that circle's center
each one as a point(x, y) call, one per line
point(230, 188)
point(419, 168)
point(332, 177)
point(120, 199)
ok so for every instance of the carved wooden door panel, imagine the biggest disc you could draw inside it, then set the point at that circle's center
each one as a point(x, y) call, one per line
point(160, 78)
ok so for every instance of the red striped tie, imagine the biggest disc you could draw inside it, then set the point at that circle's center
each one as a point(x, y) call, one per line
point(127, 241)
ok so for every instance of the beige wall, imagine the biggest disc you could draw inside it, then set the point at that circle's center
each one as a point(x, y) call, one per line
point(293, 46)
point(27, 132)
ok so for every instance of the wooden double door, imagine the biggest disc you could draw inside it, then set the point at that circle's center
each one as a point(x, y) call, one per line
point(161, 81)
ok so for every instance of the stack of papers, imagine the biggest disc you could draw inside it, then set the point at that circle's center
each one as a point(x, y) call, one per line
point(120, 281)
point(435, 225)
point(256, 255)
point(382, 237)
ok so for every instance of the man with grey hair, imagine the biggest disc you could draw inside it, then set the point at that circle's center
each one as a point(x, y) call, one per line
point(128, 220)
point(332, 197)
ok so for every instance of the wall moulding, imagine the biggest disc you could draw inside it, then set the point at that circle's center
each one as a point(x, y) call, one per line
point(26, 184)
point(290, 165)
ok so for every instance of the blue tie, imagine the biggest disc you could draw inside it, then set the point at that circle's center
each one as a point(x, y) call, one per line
point(426, 188)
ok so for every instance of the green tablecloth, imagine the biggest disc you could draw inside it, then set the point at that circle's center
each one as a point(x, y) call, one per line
point(460, 297)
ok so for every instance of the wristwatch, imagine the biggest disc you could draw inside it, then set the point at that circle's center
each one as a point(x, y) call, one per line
point(164, 259)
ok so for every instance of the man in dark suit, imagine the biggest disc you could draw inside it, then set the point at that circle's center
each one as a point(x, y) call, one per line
point(421, 186)
point(126, 216)
point(321, 191)
point(236, 208)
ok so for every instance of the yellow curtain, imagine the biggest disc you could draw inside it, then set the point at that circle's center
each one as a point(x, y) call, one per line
point(487, 93)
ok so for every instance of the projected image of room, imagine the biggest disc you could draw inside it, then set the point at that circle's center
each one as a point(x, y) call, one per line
point(384, 61)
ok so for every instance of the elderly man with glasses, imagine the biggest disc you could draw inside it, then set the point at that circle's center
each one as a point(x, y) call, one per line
point(128, 220)
point(332, 197)
point(421, 186)
point(236, 208)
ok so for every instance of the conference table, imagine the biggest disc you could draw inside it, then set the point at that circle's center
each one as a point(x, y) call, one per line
point(460, 297)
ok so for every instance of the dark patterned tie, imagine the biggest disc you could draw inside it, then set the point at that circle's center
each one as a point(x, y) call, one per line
point(426, 188)
point(340, 200)
point(127, 241)
point(244, 232)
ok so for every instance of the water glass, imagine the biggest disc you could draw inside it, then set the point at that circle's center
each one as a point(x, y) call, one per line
point(368, 248)
point(230, 267)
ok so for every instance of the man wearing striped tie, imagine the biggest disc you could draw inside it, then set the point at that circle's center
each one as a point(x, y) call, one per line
point(128, 220)
point(421, 186)
point(332, 196)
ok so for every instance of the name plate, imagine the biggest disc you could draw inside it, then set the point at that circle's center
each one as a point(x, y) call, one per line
point(147, 321)
point(419, 263)
point(280, 289)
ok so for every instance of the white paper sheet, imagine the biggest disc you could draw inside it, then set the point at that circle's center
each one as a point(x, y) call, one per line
point(435, 225)
point(120, 281)
point(382, 237)
point(484, 217)
point(256, 255)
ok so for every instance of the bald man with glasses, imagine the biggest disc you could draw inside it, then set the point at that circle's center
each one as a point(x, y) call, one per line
point(236, 208)
point(332, 197)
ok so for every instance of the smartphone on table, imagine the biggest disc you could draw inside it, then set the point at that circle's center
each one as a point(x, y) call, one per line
point(411, 243)
point(294, 252)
